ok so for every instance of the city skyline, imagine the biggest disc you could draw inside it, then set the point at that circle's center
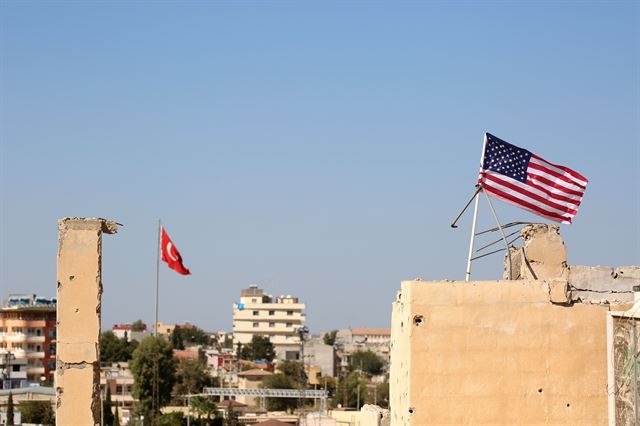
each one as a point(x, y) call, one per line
point(318, 150)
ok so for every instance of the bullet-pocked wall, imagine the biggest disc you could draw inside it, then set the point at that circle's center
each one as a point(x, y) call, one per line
point(79, 294)
point(532, 350)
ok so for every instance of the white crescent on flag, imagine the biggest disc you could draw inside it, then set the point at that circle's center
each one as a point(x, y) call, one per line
point(170, 251)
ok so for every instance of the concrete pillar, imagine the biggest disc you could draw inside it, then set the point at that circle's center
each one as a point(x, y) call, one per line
point(77, 379)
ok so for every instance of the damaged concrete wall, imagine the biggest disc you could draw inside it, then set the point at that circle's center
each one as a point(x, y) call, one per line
point(372, 415)
point(544, 257)
point(497, 352)
point(77, 380)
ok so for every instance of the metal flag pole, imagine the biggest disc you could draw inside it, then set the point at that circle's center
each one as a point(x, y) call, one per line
point(155, 326)
point(473, 233)
point(475, 212)
point(504, 238)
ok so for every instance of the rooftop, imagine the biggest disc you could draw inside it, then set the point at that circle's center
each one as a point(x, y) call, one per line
point(367, 331)
point(254, 372)
point(27, 301)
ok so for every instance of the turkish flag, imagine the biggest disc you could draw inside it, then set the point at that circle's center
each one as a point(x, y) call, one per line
point(171, 255)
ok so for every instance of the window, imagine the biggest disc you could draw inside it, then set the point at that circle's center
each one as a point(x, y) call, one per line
point(17, 346)
point(38, 332)
point(16, 329)
point(272, 324)
point(3, 329)
point(52, 333)
point(30, 330)
point(30, 347)
point(256, 313)
point(38, 348)
point(52, 349)
point(290, 313)
point(52, 364)
point(272, 313)
point(254, 300)
point(119, 389)
point(255, 325)
point(289, 324)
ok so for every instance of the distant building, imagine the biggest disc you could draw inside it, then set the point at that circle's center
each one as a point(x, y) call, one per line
point(19, 395)
point(119, 379)
point(317, 354)
point(13, 372)
point(164, 329)
point(251, 379)
point(278, 318)
point(28, 332)
point(377, 340)
point(125, 331)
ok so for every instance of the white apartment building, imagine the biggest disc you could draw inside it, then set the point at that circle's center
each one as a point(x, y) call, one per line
point(277, 318)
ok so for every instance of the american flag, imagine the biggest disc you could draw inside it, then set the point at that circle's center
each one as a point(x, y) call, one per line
point(521, 178)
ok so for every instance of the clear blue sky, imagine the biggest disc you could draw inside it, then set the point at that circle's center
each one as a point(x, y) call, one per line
point(318, 149)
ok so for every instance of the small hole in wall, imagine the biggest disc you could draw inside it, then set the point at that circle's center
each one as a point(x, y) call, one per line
point(540, 390)
point(418, 320)
point(77, 310)
point(568, 405)
point(411, 410)
point(71, 277)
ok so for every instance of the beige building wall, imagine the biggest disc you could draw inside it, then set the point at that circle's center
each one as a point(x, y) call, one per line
point(251, 379)
point(497, 353)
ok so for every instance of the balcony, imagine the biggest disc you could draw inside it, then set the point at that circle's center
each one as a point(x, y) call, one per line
point(35, 354)
point(33, 338)
point(263, 328)
point(16, 338)
point(35, 370)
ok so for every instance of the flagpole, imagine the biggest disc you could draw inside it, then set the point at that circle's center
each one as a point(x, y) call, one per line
point(155, 326)
point(473, 233)
point(475, 213)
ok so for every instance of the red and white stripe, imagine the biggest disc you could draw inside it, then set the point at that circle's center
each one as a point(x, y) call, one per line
point(552, 191)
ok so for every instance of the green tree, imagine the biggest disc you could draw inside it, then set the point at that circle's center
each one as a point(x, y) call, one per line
point(189, 336)
point(348, 389)
point(107, 414)
point(381, 395)
point(116, 417)
point(171, 419)
point(39, 412)
point(113, 349)
point(154, 371)
point(204, 407)
point(293, 370)
point(260, 347)
point(367, 361)
point(228, 342)
point(10, 410)
point(231, 417)
point(280, 381)
point(191, 377)
point(330, 337)
point(138, 325)
point(327, 383)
